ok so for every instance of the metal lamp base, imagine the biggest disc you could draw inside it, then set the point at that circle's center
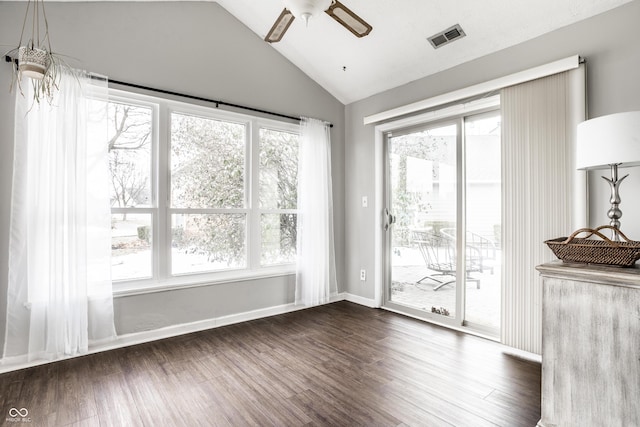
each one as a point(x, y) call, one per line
point(614, 213)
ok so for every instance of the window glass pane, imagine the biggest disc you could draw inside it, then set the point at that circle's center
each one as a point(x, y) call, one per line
point(129, 141)
point(484, 217)
point(423, 196)
point(207, 163)
point(207, 242)
point(278, 169)
point(131, 256)
point(278, 239)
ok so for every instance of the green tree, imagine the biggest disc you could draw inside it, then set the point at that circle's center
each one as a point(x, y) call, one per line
point(278, 190)
point(208, 172)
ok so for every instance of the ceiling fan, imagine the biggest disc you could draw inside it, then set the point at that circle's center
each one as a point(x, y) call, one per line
point(306, 9)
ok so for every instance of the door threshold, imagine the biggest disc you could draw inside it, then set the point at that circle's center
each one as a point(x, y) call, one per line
point(463, 329)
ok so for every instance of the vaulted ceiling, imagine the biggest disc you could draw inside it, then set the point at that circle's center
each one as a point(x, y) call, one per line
point(397, 50)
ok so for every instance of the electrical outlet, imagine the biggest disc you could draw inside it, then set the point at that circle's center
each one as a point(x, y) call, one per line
point(365, 201)
point(363, 275)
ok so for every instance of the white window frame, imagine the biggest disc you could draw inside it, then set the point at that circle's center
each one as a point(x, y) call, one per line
point(161, 211)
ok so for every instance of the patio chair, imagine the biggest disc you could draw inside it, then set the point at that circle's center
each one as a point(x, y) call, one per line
point(484, 254)
point(439, 254)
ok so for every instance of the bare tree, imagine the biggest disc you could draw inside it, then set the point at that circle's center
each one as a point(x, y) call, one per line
point(129, 161)
point(131, 127)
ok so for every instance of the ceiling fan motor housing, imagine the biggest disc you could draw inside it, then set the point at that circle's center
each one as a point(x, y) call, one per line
point(307, 9)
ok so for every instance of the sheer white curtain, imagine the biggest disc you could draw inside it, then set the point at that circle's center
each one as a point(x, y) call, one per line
point(315, 276)
point(59, 297)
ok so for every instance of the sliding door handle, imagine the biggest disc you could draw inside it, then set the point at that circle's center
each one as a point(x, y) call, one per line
point(388, 219)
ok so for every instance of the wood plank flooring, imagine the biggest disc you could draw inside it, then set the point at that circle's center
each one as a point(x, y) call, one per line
point(340, 364)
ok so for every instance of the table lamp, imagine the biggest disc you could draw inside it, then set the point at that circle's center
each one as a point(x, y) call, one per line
point(610, 141)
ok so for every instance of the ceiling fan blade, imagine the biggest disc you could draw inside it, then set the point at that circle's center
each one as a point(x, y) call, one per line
point(280, 26)
point(349, 19)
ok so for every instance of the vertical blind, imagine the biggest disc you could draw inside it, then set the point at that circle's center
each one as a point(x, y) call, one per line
point(543, 195)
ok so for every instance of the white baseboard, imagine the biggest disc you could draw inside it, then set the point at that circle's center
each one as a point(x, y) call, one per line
point(202, 325)
point(142, 337)
point(187, 328)
point(367, 302)
point(522, 354)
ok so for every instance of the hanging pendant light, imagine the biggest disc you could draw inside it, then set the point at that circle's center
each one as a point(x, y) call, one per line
point(35, 58)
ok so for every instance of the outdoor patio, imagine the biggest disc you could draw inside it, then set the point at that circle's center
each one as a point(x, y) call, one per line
point(482, 305)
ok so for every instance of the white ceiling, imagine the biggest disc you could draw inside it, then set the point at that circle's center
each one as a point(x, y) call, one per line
point(397, 51)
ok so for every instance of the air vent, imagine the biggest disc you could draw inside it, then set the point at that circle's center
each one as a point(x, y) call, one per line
point(447, 36)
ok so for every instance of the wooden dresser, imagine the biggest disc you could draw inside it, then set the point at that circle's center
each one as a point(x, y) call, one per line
point(590, 346)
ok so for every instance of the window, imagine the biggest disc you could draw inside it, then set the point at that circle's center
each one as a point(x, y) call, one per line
point(197, 192)
point(130, 144)
point(278, 196)
point(208, 203)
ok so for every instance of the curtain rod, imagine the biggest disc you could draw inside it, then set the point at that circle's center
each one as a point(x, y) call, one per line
point(8, 58)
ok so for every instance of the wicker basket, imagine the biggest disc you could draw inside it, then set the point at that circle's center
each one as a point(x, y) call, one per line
point(583, 250)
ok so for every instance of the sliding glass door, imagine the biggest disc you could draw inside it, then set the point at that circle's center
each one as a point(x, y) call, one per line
point(443, 200)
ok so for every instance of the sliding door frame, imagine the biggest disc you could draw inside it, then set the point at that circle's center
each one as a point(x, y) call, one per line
point(454, 114)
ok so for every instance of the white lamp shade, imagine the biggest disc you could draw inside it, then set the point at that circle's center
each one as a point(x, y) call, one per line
point(611, 139)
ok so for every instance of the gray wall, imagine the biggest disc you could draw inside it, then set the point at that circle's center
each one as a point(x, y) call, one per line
point(196, 48)
point(609, 42)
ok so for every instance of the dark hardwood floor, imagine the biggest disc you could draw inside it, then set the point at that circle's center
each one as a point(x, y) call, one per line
point(339, 364)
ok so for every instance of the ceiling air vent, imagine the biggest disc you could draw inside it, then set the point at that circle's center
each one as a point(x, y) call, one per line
point(446, 36)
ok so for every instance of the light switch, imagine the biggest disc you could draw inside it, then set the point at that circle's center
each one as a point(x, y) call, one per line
point(365, 201)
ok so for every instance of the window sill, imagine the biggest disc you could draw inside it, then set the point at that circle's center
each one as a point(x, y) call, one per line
point(125, 289)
